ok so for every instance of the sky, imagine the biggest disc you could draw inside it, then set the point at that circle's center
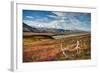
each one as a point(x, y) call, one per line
point(58, 20)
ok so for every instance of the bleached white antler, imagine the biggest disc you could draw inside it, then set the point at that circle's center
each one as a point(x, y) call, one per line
point(63, 51)
point(77, 47)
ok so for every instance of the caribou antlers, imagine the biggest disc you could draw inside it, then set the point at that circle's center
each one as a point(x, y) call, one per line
point(73, 49)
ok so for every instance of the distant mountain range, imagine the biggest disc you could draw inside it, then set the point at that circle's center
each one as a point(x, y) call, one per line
point(27, 28)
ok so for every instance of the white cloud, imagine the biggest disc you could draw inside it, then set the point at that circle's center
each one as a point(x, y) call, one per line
point(52, 16)
point(30, 17)
point(69, 21)
point(59, 13)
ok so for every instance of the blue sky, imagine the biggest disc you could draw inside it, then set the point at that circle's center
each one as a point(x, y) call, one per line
point(58, 20)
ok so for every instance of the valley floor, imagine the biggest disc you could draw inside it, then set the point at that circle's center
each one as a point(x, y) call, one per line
point(40, 48)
